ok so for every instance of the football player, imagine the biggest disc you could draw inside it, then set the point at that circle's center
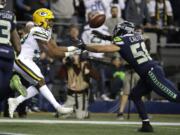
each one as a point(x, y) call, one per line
point(132, 48)
point(9, 39)
point(38, 40)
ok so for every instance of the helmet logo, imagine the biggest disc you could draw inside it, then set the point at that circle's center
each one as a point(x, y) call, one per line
point(43, 14)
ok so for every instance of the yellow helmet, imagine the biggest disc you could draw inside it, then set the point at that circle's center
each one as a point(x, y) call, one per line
point(40, 17)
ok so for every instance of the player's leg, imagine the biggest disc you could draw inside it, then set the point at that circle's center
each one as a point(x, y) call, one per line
point(161, 85)
point(5, 75)
point(14, 102)
point(31, 72)
point(136, 95)
point(1, 84)
point(1, 79)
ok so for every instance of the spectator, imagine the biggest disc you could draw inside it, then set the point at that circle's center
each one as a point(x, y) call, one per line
point(80, 10)
point(160, 13)
point(88, 38)
point(72, 37)
point(136, 11)
point(130, 80)
point(100, 6)
point(176, 11)
point(123, 79)
point(77, 72)
point(116, 74)
point(27, 7)
point(64, 15)
point(114, 19)
point(120, 5)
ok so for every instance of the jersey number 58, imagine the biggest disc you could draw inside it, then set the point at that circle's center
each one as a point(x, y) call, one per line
point(140, 53)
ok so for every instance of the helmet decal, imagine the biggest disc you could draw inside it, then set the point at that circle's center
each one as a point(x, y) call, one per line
point(43, 14)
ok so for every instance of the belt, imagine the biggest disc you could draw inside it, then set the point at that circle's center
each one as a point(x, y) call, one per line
point(71, 92)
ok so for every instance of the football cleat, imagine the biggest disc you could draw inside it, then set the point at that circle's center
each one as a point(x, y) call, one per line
point(12, 102)
point(64, 110)
point(146, 128)
point(120, 116)
point(15, 84)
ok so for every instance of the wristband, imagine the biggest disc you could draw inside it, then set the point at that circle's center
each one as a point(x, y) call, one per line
point(71, 48)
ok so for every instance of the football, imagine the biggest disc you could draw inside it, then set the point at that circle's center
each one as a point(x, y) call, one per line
point(97, 20)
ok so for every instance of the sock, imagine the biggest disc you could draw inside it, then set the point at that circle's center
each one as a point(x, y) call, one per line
point(31, 91)
point(44, 90)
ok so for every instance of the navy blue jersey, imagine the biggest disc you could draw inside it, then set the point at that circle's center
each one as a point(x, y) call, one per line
point(134, 51)
point(7, 25)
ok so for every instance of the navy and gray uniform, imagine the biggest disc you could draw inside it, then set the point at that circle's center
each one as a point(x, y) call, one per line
point(7, 25)
point(134, 51)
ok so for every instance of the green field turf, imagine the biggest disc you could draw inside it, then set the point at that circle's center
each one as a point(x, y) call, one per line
point(35, 128)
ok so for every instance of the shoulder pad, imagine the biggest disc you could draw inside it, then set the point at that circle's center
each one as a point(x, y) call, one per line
point(40, 33)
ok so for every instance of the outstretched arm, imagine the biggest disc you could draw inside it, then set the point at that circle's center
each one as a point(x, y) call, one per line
point(53, 50)
point(102, 48)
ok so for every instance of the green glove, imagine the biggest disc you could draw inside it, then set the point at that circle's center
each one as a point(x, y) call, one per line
point(119, 74)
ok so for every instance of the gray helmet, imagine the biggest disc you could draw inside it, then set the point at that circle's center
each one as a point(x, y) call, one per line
point(123, 28)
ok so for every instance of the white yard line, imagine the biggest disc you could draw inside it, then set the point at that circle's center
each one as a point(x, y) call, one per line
point(5, 133)
point(84, 122)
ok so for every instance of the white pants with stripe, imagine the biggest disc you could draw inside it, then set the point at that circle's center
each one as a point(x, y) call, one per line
point(28, 69)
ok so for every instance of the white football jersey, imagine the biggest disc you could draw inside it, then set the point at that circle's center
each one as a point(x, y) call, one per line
point(94, 6)
point(89, 38)
point(30, 47)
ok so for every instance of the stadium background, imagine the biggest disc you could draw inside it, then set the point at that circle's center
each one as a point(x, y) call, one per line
point(165, 49)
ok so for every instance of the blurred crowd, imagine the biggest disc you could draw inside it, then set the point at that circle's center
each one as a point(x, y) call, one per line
point(105, 76)
point(160, 16)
